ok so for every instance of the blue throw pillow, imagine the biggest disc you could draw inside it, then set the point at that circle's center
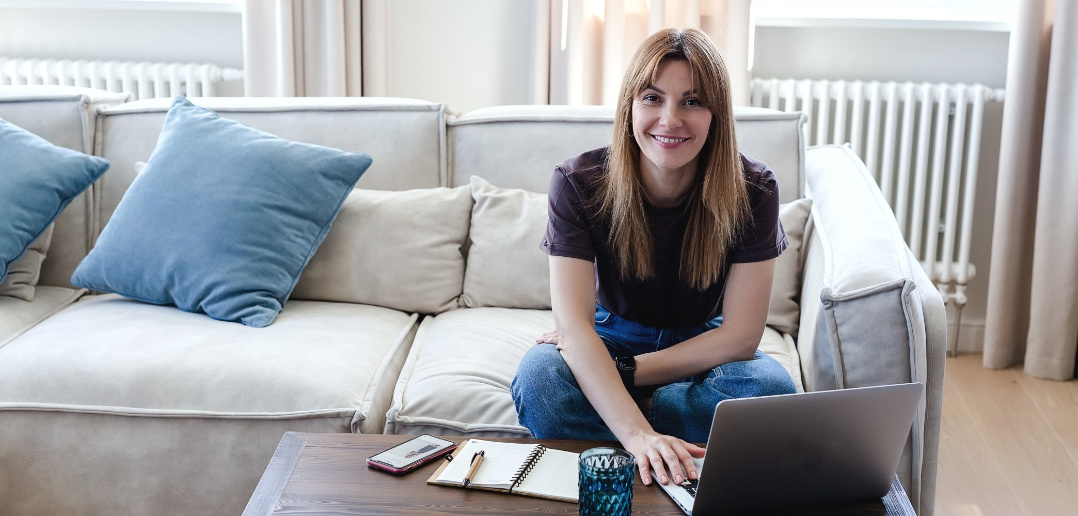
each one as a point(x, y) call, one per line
point(222, 219)
point(37, 180)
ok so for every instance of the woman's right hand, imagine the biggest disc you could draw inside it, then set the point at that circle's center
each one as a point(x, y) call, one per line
point(670, 457)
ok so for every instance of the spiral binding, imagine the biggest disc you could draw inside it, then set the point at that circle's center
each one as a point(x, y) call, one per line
point(526, 468)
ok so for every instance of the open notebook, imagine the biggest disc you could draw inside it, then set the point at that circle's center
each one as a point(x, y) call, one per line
point(524, 469)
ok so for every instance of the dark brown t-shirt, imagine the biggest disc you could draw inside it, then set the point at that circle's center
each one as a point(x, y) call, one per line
point(575, 230)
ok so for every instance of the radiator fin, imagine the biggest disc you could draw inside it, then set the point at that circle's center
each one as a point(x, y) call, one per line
point(920, 141)
point(142, 79)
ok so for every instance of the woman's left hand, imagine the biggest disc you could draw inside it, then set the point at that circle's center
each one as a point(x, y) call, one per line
point(550, 337)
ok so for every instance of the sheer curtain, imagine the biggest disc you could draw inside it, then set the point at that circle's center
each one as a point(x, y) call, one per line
point(581, 47)
point(311, 48)
point(1032, 314)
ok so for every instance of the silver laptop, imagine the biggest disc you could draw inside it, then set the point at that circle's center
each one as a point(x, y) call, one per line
point(801, 449)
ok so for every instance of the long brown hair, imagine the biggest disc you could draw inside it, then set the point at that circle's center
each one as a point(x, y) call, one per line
point(718, 199)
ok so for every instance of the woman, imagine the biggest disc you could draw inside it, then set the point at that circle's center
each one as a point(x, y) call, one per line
point(662, 250)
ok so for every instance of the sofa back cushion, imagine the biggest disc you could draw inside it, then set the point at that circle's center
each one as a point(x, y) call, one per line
point(399, 250)
point(519, 146)
point(64, 116)
point(404, 137)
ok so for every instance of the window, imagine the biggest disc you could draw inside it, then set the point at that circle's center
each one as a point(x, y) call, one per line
point(161, 5)
point(970, 14)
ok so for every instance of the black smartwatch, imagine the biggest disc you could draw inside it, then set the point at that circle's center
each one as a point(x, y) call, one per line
point(627, 370)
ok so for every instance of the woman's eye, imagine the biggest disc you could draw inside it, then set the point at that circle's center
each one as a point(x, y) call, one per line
point(650, 98)
point(692, 102)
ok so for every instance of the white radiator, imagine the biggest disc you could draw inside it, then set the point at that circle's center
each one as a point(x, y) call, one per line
point(901, 131)
point(143, 80)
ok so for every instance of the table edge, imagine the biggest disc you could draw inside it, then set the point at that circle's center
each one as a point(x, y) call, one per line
point(276, 476)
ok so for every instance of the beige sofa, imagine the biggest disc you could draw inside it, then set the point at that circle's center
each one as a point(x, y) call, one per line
point(413, 314)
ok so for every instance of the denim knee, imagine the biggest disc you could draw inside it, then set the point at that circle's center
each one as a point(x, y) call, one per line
point(541, 367)
point(761, 376)
point(549, 401)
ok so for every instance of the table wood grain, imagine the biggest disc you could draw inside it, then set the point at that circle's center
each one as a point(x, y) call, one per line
point(328, 474)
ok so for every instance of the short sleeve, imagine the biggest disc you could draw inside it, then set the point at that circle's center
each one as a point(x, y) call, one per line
point(764, 237)
point(568, 231)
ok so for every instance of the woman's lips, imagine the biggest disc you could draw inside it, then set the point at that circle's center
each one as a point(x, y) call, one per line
point(668, 142)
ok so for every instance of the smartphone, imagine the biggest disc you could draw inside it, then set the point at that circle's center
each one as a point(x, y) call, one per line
point(411, 454)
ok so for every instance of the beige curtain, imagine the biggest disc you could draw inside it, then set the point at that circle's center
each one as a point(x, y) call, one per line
point(315, 48)
point(581, 47)
point(1032, 314)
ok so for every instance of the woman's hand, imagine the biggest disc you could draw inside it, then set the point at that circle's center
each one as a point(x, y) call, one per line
point(664, 453)
point(550, 337)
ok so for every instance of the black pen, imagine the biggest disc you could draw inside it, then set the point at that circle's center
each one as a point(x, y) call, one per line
point(477, 459)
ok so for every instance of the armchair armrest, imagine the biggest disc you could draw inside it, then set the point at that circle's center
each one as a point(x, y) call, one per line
point(870, 315)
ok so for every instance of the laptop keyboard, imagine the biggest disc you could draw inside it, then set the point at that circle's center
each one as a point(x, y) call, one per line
point(690, 487)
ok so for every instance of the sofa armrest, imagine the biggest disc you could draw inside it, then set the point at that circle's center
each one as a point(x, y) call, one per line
point(870, 315)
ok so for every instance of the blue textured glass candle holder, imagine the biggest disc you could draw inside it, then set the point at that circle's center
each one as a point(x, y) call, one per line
point(606, 482)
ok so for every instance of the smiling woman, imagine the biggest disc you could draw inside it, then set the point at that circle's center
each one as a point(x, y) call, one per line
point(662, 253)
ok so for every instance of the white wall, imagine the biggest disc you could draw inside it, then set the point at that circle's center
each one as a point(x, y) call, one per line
point(466, 53)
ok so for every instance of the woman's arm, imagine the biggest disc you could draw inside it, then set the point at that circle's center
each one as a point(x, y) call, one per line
point(745, 305)
point(572, 293)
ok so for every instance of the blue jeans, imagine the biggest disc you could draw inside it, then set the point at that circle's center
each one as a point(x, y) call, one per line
point(551, 405)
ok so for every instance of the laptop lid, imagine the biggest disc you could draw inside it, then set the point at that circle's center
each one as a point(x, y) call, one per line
point(803, 449)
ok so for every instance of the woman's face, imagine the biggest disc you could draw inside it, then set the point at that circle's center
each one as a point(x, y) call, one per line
point(669, 122)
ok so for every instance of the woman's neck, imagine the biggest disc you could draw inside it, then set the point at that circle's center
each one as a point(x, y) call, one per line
point(666, 188)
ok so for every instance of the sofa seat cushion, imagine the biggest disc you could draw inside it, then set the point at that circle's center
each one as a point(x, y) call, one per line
point(107, 354)
point(476, 351)
point(17, 316)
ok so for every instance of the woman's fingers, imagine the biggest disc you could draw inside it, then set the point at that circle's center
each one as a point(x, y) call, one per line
point(550, 337)
point(669, 457)
point(684, 457)
point(673, 460)
point(644, 467)
point(657, 463)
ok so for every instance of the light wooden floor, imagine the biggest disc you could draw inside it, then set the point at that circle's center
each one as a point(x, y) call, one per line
point(1008, 443)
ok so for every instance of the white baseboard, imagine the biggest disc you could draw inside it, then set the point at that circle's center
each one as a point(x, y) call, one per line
point(970, 339)
point(971, 336)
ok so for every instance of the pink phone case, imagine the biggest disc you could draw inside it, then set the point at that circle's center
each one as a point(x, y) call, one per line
point(400, 471)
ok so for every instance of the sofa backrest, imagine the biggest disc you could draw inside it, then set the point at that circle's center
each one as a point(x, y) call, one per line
point(65, 116)
point(519, 146)
point(405, 137)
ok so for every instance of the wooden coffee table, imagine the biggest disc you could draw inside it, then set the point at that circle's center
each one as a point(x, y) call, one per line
point(328, 474)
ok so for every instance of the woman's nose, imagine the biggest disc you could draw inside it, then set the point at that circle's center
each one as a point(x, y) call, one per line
point(669, 117)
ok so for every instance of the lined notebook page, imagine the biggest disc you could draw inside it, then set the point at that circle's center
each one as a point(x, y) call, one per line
point(554, 475)
point(500, 462)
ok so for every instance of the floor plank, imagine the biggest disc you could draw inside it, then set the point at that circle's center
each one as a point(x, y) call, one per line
point(1058, 402)
point(964, 449)
point(1007, 443)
